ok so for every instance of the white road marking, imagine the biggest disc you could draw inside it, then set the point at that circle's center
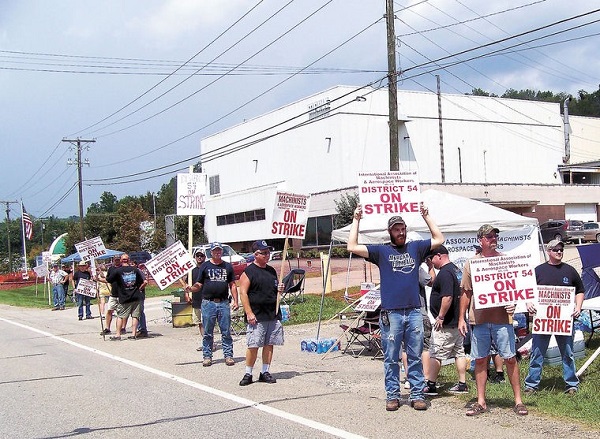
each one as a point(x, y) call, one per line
point(237, 399)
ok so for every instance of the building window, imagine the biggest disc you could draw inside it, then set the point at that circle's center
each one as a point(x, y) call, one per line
point(241, 217)
point(318, 231)
point(214, 185)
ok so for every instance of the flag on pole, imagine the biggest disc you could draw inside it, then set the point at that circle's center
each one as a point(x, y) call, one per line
point(27, 223)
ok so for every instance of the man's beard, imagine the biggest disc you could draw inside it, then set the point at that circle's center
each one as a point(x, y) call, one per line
point(393, 240)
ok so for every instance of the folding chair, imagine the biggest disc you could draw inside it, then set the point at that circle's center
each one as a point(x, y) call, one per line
point(238, 324)
point(294, 286)
point(363, 335)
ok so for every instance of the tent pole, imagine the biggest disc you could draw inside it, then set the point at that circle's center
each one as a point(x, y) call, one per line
point(324, 287)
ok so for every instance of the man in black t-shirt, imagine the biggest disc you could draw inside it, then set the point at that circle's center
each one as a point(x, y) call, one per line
point(196, 299)
point(82, 273)
point(446, 340)
point(555, 272)
point(216, 278)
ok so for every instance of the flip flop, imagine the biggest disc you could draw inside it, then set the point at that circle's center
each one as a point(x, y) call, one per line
point(476, 410)
point(520, 410)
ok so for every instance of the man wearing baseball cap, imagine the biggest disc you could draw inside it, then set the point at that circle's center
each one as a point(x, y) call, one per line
point(216, 279)
point(258, 290)
point(401, 320)
point(555, 272)
point(489, 325)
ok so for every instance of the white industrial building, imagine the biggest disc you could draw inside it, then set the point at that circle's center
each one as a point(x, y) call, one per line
point(511, 153)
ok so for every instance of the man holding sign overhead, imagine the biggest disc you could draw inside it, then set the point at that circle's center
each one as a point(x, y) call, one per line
point(401, 319)
point(555, 272)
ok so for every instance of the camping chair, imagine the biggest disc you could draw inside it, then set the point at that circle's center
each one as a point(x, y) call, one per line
point(238, 324)
point(363, 334)
point(293, 286)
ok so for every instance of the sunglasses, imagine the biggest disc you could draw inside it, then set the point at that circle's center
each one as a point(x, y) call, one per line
point(490, 236)
point(264, 252)
point(557, 250)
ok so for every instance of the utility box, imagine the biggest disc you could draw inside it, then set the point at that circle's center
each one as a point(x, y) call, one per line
point(181, 314)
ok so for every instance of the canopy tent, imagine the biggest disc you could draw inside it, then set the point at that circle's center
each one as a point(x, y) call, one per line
point(76, 258)
point(590, 270)
point(452, 213)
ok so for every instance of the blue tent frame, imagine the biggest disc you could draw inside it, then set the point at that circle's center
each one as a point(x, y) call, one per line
point(76, 258)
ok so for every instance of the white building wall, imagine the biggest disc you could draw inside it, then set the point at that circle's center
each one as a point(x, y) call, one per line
point(500, 141)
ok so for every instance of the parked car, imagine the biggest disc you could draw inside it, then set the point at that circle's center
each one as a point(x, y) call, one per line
point(554, 229)
point(575, 229)
point(248, 256)
point(229, 255)
point(591, 232)
point(140, 257)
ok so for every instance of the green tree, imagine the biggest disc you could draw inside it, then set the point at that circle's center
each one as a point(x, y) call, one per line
point(107, 204)
point(345, 209)
point(127, 224)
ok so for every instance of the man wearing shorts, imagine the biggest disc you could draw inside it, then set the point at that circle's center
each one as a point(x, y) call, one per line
point(446, 342)
point(489, 324)
point(258, 291)
point(130, 281)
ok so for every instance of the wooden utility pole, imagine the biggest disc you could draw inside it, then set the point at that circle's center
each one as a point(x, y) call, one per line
point(77, 142)
point(10, 267)
point(392, 86)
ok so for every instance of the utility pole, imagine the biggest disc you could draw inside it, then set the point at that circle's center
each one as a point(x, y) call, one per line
point(441, 130)
point(392, 86)
point(77, 142)
point(10, 266)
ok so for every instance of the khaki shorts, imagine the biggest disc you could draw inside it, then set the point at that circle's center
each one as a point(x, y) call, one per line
point(113, 304)
point(447, 343)
point(197, 316)
point(133, 309)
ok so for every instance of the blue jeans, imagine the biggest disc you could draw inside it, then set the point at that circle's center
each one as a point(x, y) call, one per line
point(83, 300)
point(405, 326)
point(142, 322)
point(213, 312)
point(58, 296)
point(536, 360)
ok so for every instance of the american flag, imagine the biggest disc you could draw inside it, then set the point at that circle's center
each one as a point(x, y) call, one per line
point(27, 224)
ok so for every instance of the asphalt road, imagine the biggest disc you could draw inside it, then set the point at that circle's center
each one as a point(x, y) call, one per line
point(60, 378)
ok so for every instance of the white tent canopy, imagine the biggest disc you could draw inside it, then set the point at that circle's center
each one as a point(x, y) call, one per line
point(452, 214)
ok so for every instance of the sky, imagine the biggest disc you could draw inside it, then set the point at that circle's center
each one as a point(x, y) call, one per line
point(146, 80)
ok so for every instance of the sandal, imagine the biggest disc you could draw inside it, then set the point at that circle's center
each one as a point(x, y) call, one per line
point(476, 409)
point(520, 410)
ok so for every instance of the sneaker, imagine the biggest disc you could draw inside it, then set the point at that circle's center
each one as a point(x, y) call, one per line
point(246, 380)
point(498, 379)
point(199, 349)
point(571, 391)
point(229, 361)
point(56, 308)
point(430, 389)
point(142, 334)
point(89, 318)
point(459, 388)
point(419, 404)
point(529, 391)
point(207, 362)
point(391, 405)
point(106, 331)
point(80, 318)
point(266, 378)
point(62, 308)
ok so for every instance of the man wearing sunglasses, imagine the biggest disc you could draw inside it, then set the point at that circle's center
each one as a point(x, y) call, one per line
point(555, 272)
point(489, 325)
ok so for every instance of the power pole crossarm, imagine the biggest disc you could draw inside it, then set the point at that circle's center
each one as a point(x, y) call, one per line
point(77, 142)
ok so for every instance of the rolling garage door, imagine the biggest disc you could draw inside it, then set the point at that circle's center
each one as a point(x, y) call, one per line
point(582, 212)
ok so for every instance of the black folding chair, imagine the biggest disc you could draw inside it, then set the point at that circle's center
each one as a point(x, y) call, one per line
point(293, 286)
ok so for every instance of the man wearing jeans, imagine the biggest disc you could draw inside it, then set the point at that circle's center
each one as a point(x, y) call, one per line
point(57, 277)
point(401, 319)
point(555, 272)
point(216, 278)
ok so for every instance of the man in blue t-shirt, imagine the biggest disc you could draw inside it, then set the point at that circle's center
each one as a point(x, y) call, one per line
point(401, 319)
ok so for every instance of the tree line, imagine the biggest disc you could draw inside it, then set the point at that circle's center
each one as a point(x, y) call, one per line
point(583, 104)
point(132, 223)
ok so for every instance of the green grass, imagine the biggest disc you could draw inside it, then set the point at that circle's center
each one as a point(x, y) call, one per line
point(549, 401)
